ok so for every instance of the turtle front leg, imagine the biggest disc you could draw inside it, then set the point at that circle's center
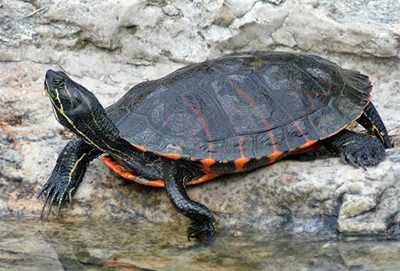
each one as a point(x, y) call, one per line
point(67, 174)
point(203, 226)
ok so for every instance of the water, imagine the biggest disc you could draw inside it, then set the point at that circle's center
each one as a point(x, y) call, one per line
point(80, 244)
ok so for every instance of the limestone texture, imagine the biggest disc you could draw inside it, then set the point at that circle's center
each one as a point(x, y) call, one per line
point(109, 46)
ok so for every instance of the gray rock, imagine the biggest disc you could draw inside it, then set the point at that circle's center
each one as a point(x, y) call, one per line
point(110, 46)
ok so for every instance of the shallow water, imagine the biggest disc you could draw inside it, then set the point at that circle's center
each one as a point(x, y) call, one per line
point(79, 244)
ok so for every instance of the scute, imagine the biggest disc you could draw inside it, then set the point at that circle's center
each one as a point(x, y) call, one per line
point(251, 105)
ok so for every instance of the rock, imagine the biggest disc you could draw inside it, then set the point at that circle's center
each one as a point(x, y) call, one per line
point(111, 46)
point(84, 244)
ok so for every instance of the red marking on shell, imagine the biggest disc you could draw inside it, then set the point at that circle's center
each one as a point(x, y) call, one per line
point(239, 163)
point(173, 156)
point(200, 116)
point(308, 147)
point(157, 183)
point(143, 149)
point(302, 132)
point(208, 176)
point(276, 152)
point(273, 156)
point(207, 163)
point(128, 175)
point(253, 104)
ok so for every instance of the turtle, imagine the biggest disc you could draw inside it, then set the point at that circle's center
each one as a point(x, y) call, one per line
point(227, 115)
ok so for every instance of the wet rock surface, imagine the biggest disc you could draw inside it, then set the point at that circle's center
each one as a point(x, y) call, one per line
point(110, 46)
point(86, 244)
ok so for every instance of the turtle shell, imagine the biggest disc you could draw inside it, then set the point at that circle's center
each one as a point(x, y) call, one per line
point(241, 111)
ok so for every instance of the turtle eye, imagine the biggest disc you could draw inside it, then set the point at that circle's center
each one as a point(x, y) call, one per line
point(57, 81)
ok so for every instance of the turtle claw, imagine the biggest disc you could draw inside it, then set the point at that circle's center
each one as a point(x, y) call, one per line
point(44, 207)
point(57, 190)
point(204, 232)
point(368, 152)
point(350, 159)
point(51, 200)
point(356, 149)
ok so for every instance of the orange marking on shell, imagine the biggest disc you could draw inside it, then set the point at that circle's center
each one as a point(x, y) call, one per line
point(306, 146)
point(273, 156)
point(239, 163)
point(173, 156)
point(208, 176)
point(207, 163)
point(117, 169)
point(271, 135)
point(302, 132)
point(311, 145)
point(143, 149)
point(128, 175)
point(200, 116)
point(157, 183)
point(253, 104)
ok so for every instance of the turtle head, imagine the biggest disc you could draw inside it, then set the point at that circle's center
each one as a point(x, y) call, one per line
point(73, 105)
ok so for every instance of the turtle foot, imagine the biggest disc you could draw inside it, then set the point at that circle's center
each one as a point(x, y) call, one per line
point(356, 149)
point(67, 174)
point(203, 231)
point(57, 189)
point(365, 152)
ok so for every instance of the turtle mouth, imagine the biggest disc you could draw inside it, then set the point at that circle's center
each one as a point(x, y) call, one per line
point(47, 89)
point(52, 93)
point(54, 83)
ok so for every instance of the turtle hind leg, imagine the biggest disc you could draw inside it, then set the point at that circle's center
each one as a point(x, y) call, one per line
point(203, 226)
point(356, 149)
point(371, 121)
